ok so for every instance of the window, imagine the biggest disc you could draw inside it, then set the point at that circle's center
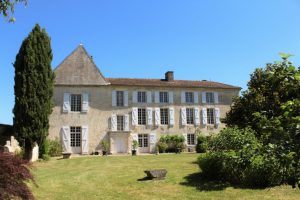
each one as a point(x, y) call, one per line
point(75, 133)
point(190, 115)
point(120, 98)
point(76, 102)
point(210, 116)
point(143, 140)
point(120, 123)
point(141, 97)
point(141, 116)
point(164, 116)
point(210, 97)
point(190, 139)
point(189, 97)
point(163, 97)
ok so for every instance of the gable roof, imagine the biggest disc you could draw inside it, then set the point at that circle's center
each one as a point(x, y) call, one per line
point(78, 69)
point(164, 83)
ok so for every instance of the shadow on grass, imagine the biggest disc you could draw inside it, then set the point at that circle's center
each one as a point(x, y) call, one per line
point(198, 181)
point(144, 179)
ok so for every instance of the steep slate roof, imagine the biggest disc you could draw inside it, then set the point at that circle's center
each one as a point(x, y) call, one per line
point(164, 83)
point(79, 69)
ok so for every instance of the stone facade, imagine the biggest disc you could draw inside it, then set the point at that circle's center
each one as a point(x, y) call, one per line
point(96, 117)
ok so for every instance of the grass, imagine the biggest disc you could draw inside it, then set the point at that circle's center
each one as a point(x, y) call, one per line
point(121, 177)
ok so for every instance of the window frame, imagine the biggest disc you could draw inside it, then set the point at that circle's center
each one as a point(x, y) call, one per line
point(210, 113)
point(210, 98)
point(75, 102)
point(190, 118)
point(164, 97)
point(143, 140)
point(164, 116)
point(191, 139)
point(120, 98)
point(141, 96)
point(75, 136)
point(120, 122)
point(189, 97)
point(142, 117)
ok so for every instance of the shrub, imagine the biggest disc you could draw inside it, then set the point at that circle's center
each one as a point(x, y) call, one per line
point(173, 142)
point(105, 145)
point(211, 165)
point(55, 147)
point(202, 143)
point(162, 146)
point(13, 174)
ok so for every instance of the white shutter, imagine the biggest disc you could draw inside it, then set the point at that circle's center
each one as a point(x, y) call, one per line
point(183, 116)
point(182, 96)
point(85, 102)
point(134, 136)
point(114, 98)
point(66, 105)
point(134, 97)
point(134, 116)
point(149, 117)
point(113, 122)
point(217, 115)
point(149, 97)
point(171, 116)
point(152, 138)
point(85, 139)
point(185, 138)
point(216, 97)
point(126, 122)
point(203, 97)
point(157, 116)
point(170, 97)
point(125, 98)
point(196, 100)
point(197, 116)
point(204, 116)
point(65, 138)
point(156, 96)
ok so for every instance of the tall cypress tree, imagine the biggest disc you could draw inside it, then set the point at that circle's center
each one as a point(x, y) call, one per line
point(34, 80)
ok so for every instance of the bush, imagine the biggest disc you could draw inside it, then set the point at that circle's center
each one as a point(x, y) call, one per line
point(13, 174)
point(202, 143)
point(211, 165)
point(162, 146)
point(173, 143)
point(55, 147)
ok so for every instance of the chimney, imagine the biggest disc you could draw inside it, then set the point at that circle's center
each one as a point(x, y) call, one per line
point(169, 76)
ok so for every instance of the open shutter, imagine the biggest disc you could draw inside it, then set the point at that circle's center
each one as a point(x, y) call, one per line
point(203, 97)
point(134, 136)
point(183, 116)
point(65, 138)
point(125, 98)
point(152, 138)
point(197, 116)
point(85, 102)
point(134, 97)
point(126, 122)
point(134, 116)
point(149, 117)
point(171, 116)
point(217, 115)
point(216, 97)
point(85, 139)
point(185, 138)
point(156, 96)
point(157, 116)
point(182, 96)
point(204, 116)
point(149, 97)
point(114, 98)
point(196, 100)
point(113, 122)
point(66, 104)
point(170, 94)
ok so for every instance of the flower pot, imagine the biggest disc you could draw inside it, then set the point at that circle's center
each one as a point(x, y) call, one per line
point(104, 153)
point(133, 152)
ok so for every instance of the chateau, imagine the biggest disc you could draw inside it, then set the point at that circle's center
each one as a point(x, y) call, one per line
point(89, 108)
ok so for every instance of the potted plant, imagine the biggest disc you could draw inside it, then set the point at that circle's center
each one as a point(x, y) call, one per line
point(135, 145)
point(105, 147)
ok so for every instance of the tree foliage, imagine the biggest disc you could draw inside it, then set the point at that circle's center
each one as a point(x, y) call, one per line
point(34, 80)
point(7, 8)
point(14, 171)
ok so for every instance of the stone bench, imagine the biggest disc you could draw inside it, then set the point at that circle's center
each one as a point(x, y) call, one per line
point(66, 155)
point(156, 174)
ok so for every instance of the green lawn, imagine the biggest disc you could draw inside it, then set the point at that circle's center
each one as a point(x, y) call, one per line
point(121, 177)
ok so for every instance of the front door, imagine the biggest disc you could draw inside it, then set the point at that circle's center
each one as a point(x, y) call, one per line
point(75, 136)
point(143, 143)
point(120, 145)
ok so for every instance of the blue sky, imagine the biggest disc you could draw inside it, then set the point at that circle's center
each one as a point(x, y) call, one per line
point(219, 40)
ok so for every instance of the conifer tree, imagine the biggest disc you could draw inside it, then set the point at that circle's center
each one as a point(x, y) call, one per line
point(34, 81)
